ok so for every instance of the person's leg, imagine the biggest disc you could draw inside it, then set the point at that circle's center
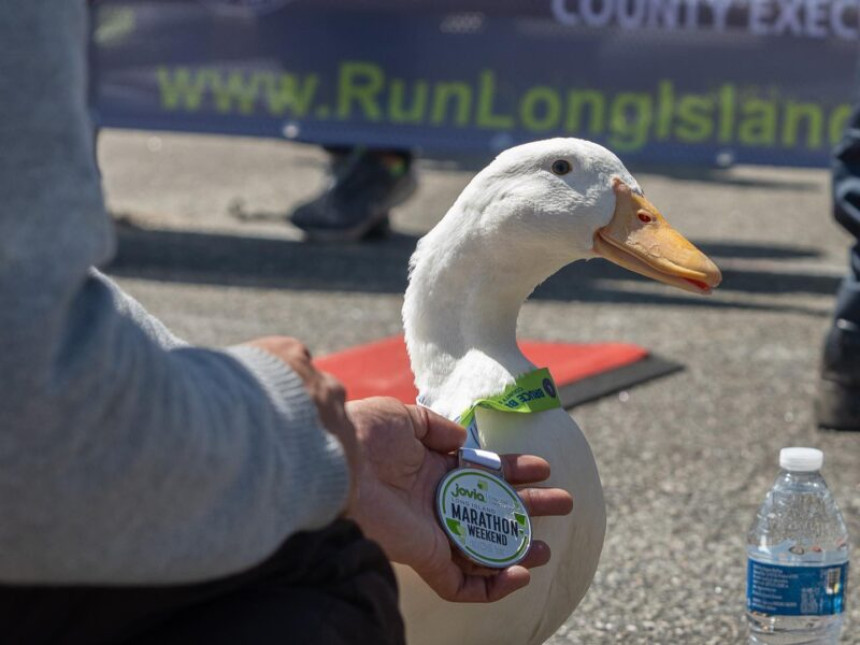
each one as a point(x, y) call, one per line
point(330, 586)
point(363, 186)
point(336, 588)
point(838, 402)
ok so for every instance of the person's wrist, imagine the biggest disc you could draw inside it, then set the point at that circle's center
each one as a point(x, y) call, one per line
point(323, 473)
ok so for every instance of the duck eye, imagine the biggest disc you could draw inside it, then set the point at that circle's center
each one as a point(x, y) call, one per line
point(561, 167)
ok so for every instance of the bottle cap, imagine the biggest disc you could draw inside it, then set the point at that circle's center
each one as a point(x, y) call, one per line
point(802, 460)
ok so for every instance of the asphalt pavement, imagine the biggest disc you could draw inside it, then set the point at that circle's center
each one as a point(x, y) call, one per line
point(685, 460)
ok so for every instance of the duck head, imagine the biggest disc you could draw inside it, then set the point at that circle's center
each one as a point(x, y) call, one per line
point(568, 199)
point(533, 210)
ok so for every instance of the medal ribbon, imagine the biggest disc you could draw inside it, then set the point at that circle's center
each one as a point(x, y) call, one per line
point(531, 392)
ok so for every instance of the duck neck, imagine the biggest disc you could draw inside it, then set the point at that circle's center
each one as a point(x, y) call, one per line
point(460, 318)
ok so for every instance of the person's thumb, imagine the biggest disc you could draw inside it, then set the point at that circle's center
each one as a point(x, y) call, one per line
point(435, 431)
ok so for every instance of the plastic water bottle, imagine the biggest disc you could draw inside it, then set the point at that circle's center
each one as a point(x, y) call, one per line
point(797, 557)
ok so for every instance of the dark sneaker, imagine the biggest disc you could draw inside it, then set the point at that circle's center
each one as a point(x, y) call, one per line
point(364, 185)
point(838, 403)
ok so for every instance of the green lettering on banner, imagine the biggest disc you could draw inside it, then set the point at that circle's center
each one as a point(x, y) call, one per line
point(289, 93)
point(360, 83)
point(397, 109)
point(114, 25)
point(540, 109)
point(665, 110)
point(726, 98)
point(758, 123)
point(838, 122)
point(794, 115)
point(695, 118)
point(727, 115)
point(239, 89)
point(180, 88)
point(442, 95)
point(576, 102)
point(486, 95)
point(630, 119)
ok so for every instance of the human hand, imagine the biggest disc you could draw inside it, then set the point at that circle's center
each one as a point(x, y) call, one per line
point(406, 452)
point(325, 391)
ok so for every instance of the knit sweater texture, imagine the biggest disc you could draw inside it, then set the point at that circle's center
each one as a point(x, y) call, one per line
point(126, 455)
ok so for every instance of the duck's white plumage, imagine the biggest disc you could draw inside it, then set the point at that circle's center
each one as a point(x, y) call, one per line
point(514, 225)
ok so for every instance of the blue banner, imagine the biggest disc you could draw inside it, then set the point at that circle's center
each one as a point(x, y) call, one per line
point(681, 81)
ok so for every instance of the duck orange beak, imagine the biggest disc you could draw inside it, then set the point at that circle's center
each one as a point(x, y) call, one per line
point(638, 238)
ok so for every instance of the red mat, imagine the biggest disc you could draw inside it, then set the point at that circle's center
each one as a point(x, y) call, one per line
point(382, 368)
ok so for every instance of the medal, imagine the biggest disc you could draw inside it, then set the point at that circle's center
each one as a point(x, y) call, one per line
point(480, 512)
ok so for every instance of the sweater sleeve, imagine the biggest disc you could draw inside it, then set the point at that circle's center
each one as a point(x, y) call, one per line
point(126, 455)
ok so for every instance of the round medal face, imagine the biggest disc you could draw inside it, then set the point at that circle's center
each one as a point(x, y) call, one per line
point(484, 517)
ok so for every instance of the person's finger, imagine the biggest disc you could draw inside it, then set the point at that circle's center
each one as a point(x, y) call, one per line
point(435, 431)
point(468, 582)
point(538, 555)
point(476, 588)
point(334, 388)
point(451, 462)
point(506, 582)
point(524, 469)
point(546, 501)
point(470, 568)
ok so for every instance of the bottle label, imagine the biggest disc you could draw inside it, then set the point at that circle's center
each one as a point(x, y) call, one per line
point(780, 590)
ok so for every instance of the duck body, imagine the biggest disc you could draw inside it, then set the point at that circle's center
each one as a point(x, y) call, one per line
point(532, 615)
point(535, 209)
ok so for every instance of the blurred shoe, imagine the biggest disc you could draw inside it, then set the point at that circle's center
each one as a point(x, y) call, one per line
point(364, 185)
point(838, 403)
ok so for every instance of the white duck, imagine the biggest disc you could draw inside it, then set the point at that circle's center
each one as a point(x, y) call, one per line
point(535, 209)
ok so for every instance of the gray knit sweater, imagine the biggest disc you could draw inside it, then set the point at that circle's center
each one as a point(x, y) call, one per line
point(126, 456)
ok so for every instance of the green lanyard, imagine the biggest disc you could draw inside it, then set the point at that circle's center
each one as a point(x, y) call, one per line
point(531, 392)
point(478, 510)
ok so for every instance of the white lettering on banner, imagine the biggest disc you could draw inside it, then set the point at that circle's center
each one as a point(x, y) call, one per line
point(720, 9)
point(788, 18)
point(245, 7)
point(761, 15)
point(797, 18)
point(692, 15)
point(837, 18)
point(595, 17)
point(816, 18)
